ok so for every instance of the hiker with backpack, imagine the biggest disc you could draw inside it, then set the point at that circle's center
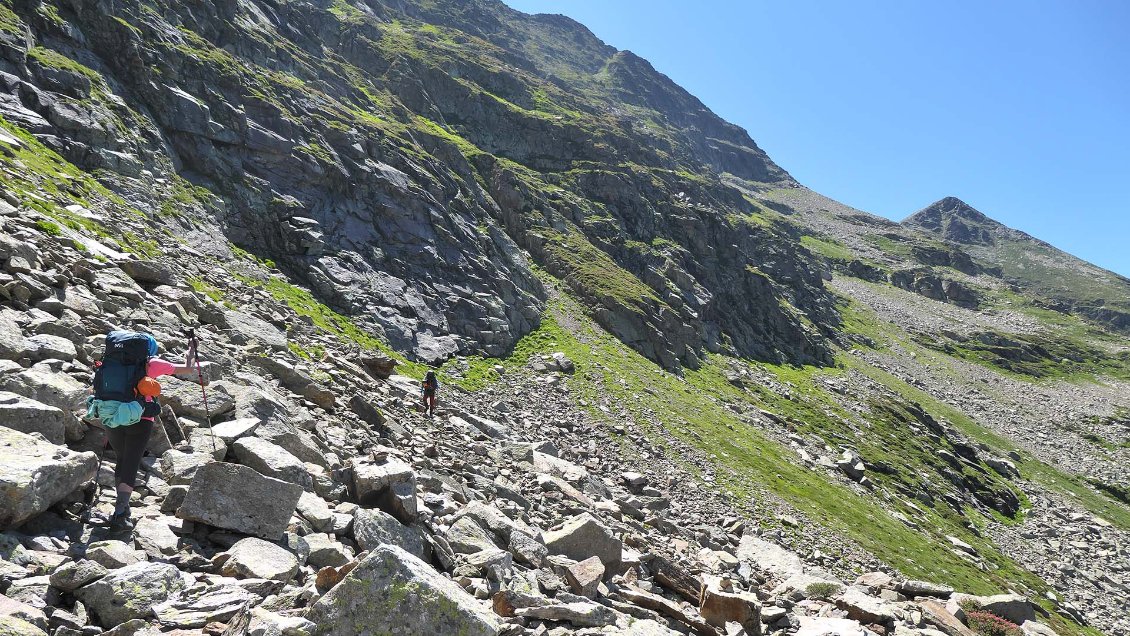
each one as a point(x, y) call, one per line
point(124, 399)
point(430, 386)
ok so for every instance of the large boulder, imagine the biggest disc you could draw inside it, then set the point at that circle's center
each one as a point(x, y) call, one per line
point(272, 460)
point(149, 272)
point(29, 416)
point(247, 328)
point(388, 485)
point(254, 558)
point(584, 536)
point(391, 591)
point(131, 592)
point(35, 474)
point(238, 498)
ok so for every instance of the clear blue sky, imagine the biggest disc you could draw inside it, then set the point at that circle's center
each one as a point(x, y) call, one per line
point(1020, 108)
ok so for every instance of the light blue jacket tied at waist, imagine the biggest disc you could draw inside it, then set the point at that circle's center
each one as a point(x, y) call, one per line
point(112, 413)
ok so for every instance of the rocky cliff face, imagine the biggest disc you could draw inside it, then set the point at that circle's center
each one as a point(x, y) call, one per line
point(411, 164)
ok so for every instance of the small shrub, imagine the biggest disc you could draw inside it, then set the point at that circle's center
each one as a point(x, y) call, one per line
point(988, 624)
point(969, 605)
point(821, 589)
point(48, 227)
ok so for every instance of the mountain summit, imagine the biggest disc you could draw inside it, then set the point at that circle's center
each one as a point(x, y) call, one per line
point(957, 221)
point(1068, 283)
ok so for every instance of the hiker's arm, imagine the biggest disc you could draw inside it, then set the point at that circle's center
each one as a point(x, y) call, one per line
point(158, 367)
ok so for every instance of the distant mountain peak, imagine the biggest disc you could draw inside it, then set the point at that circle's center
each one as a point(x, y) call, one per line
point(957, 221)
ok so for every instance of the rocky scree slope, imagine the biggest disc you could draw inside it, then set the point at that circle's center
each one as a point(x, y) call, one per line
point(309, 497)
point(411, 163)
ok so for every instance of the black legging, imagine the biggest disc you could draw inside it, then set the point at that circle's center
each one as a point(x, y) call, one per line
point(129, 444)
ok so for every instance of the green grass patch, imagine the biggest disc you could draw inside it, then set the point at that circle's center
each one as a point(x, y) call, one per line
point(830, 250)
point(215, 294)
point(593, 273)
point(47, 227)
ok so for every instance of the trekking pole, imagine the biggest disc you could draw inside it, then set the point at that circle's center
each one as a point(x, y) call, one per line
point(85, 517)
point(194, 356)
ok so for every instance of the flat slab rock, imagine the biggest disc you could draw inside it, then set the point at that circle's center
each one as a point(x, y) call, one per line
point(391, 591)
point(35, 474)
point(769, 557)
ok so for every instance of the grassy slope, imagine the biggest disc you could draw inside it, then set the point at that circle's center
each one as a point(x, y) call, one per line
point(750, 464)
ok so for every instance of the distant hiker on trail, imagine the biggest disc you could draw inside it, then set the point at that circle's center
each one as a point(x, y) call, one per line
point(431, 385)
point(125, 401)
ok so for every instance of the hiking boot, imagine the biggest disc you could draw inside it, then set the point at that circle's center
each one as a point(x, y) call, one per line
point(120, 521)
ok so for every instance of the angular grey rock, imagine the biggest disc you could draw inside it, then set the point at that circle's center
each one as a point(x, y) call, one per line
point(113, 554)
point(59, 390)
point(149, 272)
point(203, 441)
point(266, 623)
point(579, 614)
point(232, 430)
point(74, 574)
point(237, 498)
point(314, 509)
point(426, 604)
point(325, 552)
point(373, 528)
point(527, 549)
point(254, 558)
point(155, 537)
point(467, 537)
point(769, 557)
point(12, 341)
point(48, 347)
point(248, 328)
point(29, 416)
point(12, 626)
point(35, 474)
point(185, 399)
point(202, 604)
point(584, 536)
point(272, 460)
point(584, 576)
point(130, 592)
point(390, 486)
point(15, 609)
point(719, 605)
point(859, 606)
point(179, 468)
point(493, 519)
point(924, 588)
